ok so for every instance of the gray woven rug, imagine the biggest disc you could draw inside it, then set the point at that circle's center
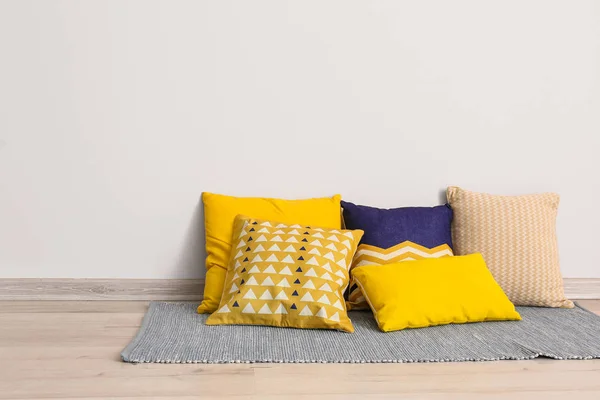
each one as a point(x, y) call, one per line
point(174, 333)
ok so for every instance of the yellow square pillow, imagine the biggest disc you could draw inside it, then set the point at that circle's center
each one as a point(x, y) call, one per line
point(220, 212)
point(437, 291)
point(287, 276)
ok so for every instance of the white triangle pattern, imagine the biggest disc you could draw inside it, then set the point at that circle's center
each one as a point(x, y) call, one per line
point(283, 296)
point(254, 270)
point(248, 309)
point(270, 270)
point(268, 282)
point(284, 283)
point(280, 309)
point(312, 261)
point(306, 311)
point(265, 310)
point(307, 297)
point(224, 309)
point(325, 288)
point(311, 272)
point(309, 285)
point(322, 313)
point(252, 281)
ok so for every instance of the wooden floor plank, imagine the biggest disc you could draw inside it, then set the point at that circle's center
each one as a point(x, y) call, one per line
point(590, 305)
point(544, 395)
point(86, 367)
point(107, 387)
point(369, 380)
point(94, 306)
point(12, 355)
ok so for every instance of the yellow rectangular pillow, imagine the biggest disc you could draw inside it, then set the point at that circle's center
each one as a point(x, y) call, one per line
point(220, 212)
point(287, 276)
point(437, 291)
point(373, 255)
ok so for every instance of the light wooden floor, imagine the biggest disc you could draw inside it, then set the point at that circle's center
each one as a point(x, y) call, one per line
point(71, 350)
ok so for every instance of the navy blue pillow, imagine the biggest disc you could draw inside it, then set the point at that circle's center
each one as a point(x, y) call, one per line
point(384, 228)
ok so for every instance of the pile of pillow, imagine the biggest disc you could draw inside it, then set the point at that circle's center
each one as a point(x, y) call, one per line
point(304, 263)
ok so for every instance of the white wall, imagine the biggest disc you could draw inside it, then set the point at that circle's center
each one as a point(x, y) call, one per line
point(116, 115)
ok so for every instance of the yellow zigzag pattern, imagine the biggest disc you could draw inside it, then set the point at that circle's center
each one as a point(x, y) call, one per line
point(404, 251)
point(372, 255)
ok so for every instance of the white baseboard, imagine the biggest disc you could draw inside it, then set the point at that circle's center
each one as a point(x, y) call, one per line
point(170, 289)
point(101, 289)
point(582, 288)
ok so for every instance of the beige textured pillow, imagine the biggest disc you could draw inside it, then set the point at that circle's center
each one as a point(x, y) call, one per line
point(517, 237)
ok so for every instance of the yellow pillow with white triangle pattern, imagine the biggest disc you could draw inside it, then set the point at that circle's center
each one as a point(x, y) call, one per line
point(287, 276)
